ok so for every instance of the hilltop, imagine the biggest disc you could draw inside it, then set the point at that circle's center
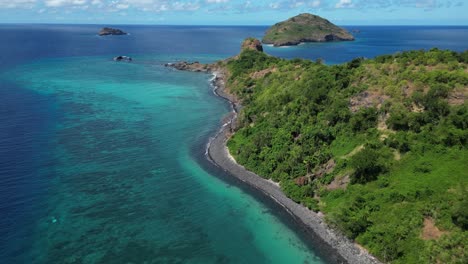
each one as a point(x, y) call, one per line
point(304, 28)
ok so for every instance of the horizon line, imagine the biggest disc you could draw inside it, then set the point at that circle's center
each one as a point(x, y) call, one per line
point(226, 25)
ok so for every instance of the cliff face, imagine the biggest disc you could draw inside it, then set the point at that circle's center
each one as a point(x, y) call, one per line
point(305, 28)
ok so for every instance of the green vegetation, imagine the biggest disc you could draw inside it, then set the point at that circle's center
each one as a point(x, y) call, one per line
point(304, 28)
point(395, 126)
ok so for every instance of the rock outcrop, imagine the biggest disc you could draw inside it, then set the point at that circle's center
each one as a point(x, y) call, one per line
point(305, 28)
point(247, 44)
point(192, 66)
point(252, 44)
point(111, 31)
point(123, 58)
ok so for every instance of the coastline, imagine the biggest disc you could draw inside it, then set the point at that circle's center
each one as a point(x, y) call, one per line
point(330, 239)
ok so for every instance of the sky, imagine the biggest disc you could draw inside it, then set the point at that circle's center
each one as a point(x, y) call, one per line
point(234, 12)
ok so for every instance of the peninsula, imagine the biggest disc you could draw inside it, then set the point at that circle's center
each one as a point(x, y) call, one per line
point(336, 247)
point(361, 149)
point(305, 28)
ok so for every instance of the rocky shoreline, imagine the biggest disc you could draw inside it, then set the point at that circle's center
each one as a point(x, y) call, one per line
point(336, 248)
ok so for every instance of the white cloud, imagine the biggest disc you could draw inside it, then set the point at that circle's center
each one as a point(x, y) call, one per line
point(156, 5)
point(17, 3)
point(122, 6)
point(344, 4)
point(79, 2)
point(221, 6)
point(297, 4)
point(55, 3)
point(315, 4)
point(59, 3)
point(182, 6)
point(291, 4)
point(216, 1)
point(274, 5)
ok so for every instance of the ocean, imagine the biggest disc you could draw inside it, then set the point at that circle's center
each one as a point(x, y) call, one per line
point(104, 162)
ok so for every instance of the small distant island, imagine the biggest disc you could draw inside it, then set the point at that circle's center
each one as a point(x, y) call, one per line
point(123, 58)
point(111, 31)
point(305, 28)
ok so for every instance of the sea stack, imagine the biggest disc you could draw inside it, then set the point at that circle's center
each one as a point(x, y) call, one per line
point(111, 31)
point(305, 28)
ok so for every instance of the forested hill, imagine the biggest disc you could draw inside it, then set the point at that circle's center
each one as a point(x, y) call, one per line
point(380, 145)
point(304, 28)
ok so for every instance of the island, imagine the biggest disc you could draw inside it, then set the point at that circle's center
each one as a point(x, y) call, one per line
point(369, 155)
point(305, 28)
point(123, 58)
point(111, 31)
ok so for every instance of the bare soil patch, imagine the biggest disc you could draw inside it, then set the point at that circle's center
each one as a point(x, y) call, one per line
point(430, 230)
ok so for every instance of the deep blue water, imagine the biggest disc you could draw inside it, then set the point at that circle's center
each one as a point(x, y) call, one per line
point(44, 73)
point(23, 43)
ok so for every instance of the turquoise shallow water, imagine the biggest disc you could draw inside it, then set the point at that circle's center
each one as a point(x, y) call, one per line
point(122, 184)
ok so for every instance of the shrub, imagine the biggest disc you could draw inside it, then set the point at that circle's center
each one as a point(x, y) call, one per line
point(364, 119)
point(423, 167)
point(355, 63)
point(367, 165)
point(353, 219)
point(460, 211)
point(398, 120)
